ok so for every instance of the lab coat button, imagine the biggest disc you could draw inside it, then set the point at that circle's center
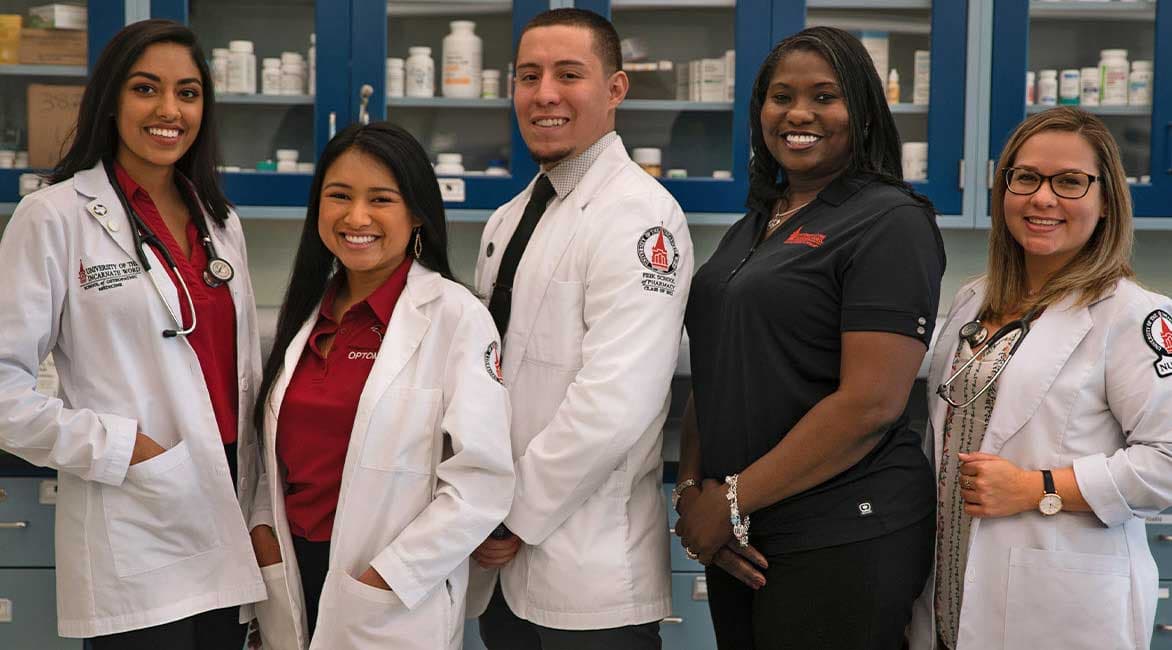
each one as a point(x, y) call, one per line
point(112, 225)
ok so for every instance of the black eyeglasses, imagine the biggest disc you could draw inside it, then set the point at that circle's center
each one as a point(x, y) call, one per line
point(1068, 185)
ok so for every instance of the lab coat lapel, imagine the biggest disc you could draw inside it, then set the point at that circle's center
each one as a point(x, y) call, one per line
point(1031, 372)
point(965, 310)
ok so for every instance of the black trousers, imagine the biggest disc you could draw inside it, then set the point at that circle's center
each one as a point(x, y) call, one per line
point(855, 596)
point(313, 560)
point(501, 629)
point(214, 630)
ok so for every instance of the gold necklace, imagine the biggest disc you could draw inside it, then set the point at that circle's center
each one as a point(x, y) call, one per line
point(779, 217)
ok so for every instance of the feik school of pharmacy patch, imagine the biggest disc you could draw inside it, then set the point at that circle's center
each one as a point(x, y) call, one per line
point(660, 256)
point(492, 362)
point(1158, 334)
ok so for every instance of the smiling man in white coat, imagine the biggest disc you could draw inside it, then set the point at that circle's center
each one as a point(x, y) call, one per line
point(587, 274)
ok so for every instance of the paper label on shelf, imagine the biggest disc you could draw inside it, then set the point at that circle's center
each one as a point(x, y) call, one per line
point(1159, 520)
point(1164, 593)
point(47, 493)
point(5, 610)
point(452, 190)
point(700, 588)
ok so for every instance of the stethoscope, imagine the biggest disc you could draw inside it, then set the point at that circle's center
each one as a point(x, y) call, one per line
point(218, 272)
point(976, 334)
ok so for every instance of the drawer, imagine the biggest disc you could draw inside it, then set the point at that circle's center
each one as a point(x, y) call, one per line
point(690, 625)
point(28, 611)
point(26, 524)
point(679, 561)
point(1162, 637)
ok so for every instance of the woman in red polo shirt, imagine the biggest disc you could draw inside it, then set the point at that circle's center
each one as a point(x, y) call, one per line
point(384, 418)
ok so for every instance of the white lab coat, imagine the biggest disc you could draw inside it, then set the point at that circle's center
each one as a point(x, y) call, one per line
point(165, 539)
point(588, 358)
point(428, 475)
point(1080, 391)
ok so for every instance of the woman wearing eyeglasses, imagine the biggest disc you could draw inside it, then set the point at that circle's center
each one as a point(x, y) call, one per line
point(1051, 413)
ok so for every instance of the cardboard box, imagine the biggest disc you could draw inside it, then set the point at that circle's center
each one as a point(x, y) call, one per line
point(52, 117)
point(58, 16)
point(52, 47)
point(10, 38)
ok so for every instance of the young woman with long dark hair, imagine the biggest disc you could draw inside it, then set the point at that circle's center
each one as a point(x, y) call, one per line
point(130, 269)
point(384, 417)
point(801, 485)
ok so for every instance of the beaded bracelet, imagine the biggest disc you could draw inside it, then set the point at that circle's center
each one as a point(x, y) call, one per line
point(740, 525)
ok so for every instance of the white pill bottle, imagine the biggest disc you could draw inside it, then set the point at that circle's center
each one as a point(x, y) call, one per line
point(462, 61)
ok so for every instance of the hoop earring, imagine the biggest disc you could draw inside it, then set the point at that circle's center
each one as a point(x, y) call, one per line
point(418, 243)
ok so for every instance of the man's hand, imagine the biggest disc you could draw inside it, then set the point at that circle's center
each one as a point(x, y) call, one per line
point(496, 553)
point(145, 448)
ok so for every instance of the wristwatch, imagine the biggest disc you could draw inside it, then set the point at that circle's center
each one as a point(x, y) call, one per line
point(1051, 503)
point(678, 491)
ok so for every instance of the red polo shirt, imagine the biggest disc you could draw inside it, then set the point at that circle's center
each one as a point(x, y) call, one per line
point(317, 413)
point(214, 338)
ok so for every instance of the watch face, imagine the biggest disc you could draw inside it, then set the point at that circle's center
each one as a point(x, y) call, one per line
point(1051, 504)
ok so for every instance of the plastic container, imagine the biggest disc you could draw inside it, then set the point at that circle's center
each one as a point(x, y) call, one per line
point(893, 86)
point(286, 166)
point(722, 174)
point(270, 77)
point(1069, 87)
point(1113, 73)
point(650, 159)
point(496, 168)
point(266, 166)
point(396, 77)
point(7, 159)
point(1089, 87)
point(311, 66)
point(21, 161)
point(292, 76)
point(490, 84)
point(922, 78)
point(220, 69)
point(462, 57)
point(420, 73)
point(1031, 97)
point(915, 161)
point(286, 155)
point(677, 173)
point(1048, 87)
point(304, 168)
point(1139, 83)
point(241, 68)
point(449, 164)
point(877, 46)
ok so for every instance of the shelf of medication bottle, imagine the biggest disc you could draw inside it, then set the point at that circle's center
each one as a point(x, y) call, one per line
point(925, 5)
point(908, 109)
point(25, 70)
point(878, 19)
point(266, 100)
point(673, 105)
point(1131, 111)
point(448, 102)
point(399, 8)
point(618, 5)
point(1084, 10)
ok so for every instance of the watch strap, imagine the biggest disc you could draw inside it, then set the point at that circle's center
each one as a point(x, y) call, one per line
point(1048, 482)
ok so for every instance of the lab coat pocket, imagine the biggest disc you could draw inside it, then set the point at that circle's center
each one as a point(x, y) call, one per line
point(275, 615)
point(159, 515)
point(557, 333)
point(402, 431)
point(357, 616)
point(1060, 599)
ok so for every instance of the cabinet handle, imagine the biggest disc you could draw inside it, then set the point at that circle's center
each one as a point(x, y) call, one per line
point(672, 530)
point(1163, 627)
point(679, 620)
point(1164, 538)
point(1168, 145)
point(13, 524)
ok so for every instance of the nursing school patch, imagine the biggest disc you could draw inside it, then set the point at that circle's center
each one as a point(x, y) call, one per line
point(106, 276)
point(492, 362)
point(1158, 335)
point(659, 254)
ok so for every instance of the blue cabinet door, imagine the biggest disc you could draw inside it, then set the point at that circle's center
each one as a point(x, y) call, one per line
point(26, 524)
point(28, 611)
point(1029, 35)
point(1162, 635)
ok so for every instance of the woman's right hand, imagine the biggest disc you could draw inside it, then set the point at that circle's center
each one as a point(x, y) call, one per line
point(745, 564)
point(265, 545)
point(145, 448)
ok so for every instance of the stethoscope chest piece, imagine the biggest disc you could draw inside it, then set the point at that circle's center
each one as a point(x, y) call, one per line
point(218, 272)
point(974, 332)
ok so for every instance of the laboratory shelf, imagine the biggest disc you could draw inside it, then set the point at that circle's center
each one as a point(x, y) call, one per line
point(266, 100)
point(399, 8)
point(867, 5)
point(908, 109)
point(871, 21)
point(22, 70)
point(671, 4)
point(1084, 10)
point(673, 105)
point(447, 102)
point(1133, 111)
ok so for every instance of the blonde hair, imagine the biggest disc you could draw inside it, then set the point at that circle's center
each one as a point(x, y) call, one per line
point(1103, 260)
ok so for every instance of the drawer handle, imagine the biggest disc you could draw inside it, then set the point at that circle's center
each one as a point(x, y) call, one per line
point(13, 524)
point(1164, 538)
point(679, 620)
point(1163, 627)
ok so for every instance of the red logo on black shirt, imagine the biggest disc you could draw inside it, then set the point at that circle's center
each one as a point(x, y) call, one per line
point(808, 239)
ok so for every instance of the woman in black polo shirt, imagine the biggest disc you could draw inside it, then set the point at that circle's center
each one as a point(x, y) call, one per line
point(807, 327)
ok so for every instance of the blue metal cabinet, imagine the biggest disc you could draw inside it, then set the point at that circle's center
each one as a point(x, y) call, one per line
point(1162, 636)
point(28, 611)
point(679, 560)
point(1160, 541)
point(26, 524)
point(690, 625)
point(1029, 35)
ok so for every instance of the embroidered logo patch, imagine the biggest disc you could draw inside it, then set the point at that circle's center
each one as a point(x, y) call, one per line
point(659, 254)
point(492, 362)
point(1158, 335)
point(106, 276)
point(807, 239)
point(865, 509)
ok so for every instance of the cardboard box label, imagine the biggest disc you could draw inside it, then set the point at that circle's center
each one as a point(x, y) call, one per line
point(52, 116)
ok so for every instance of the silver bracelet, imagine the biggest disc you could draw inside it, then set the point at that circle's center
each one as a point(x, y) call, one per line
point(740, 525)
point(678, 491)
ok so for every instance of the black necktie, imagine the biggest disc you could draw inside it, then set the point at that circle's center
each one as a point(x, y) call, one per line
point(502, 290)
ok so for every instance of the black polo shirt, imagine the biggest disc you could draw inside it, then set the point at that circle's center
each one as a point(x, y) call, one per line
point(765, 322)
